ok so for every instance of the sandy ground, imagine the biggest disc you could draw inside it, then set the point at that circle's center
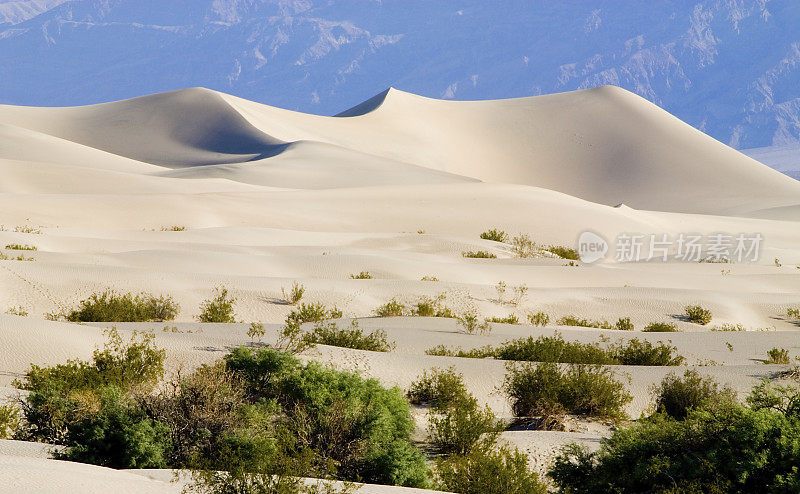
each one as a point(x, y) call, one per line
point(398, 187)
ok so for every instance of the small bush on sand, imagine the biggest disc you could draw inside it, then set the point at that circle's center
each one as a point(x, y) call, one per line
point(20, 247)
point(523, 246)
point(642, 352)
point(793, 313)
point(218, 309)
point(470, 324)
point(624, 324)
point(294, 294)
point(443, 351)
point(429, 278)
point(431, 307)
point(353, 337)
point(17, 311)
point(256, 331)
point(480, 254)
point(509, 319)
point(363, 275)
point(698, 315)
point(588, 390)
point(676, 396)
point(173, 228)
point(564, 252)
point(315, 312)
point(660, 327)
point(583, 323)
point(392, 308)
point(495, 235)
point(111, 306)
point(777, 356)
point(457, 428)
point(9, 421)
point(438, 388)
point(539, 319)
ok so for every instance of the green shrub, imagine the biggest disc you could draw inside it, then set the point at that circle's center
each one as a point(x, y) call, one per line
point(315, 312)
point(731, 449)
point(256, 331)
point(539, 319)
point(17, 311)
point(638, 352)
point(509, 319)
point(523, 246)
point(480, 254)
point(442, 351)
point(456, 429)
point(583, 323)
point(9, 421)
point(363, 275)
point(495, 235)
point(624, 324)
point(173, 228)
point(470, 323)
point(553, 349)
point(440, 389)
point(354, 337)
point(392, 308)
point(698, 315)
point(294, 294)
point(660, 327)
point(218, 309)
point(111, 306)
point(488, 469)
point(20, 247)
point(119, 435)
point(589, 390)
point(676, 396)
point(429, 278)
point(793, 313)
point(564, 252)
point(777, 356)
point(428, 307)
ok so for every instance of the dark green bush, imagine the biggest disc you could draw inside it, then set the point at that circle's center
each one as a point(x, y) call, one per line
point(777, 356)
point(363, 275)
point(584, 323)
point(730, 449)
point(9, 421)
point(698, 315)
point(624, 324)
point(488, 469)
point(495, 235)
point(353, 337)
point(564, 252)
point(660, 327)
point(457, 428)
point(539, 319)
point(111, 306)
point(588, 390)
point(439, 388)
point(642, 352)
point(392, 308)
point(677, 396)
point(218, 309)
point(509, 319)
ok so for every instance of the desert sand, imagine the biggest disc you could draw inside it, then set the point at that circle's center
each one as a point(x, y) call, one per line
point(399, 186)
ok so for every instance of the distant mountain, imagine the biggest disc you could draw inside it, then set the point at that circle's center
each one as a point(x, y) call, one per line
point(728, 67)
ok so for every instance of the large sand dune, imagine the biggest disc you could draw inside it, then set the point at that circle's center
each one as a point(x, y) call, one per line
point(399, 186)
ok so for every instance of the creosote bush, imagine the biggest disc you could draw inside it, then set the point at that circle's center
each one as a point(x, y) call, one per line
point(438, 388)
point(539, 319)
point(110, 306)
point(294, 294)
point(470, 324)
point(660, 327)
point(676, 396)
point(523, 246)
point(392, 308)
point(583, 323)
point(495, 235)
point(9, 421)
point(352, 337)
point(218, 309)
point(624, 324)
point(363, 275)
point(564, 252)
point(509, 319)
point(20, 247)
point(698, 315)
point(777, 356)
point(480, 254)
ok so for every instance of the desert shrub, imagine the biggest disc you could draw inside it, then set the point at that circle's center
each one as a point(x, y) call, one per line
point(624, 324)
point(61, 394)
point(431, 307)
point(20, 247)
point(770, 395)
point(589, 390)
point(353, 337)
point(110, 306)
point(439, 388)
point(363, 275)
point(118, 435)
point(429, 278)
point(495, 235)
point(457, 428)
point(315, 312)
point(256, 331)
point(488, 469)
point(173, 228)
point(731, 449)
point(564, 252)
point(777, 356)
point(793, 313)
point(470, 324)
point(294, 294)
point(553, 349)
point(698, 315)
point(442, 351)
point(509, 319)
point(523, 246)
point(660, 327)
point(642, 352)
point(355, 423)
point(480, 254)
point(218, 309)
point(676, 396)
point(9, 421)
point(583, 323)
point(729, 327)
point(28, 229)
point(539, 319)
point(17, 311)
point(392, 308)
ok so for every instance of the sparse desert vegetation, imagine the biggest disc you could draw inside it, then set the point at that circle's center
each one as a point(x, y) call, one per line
point(495, 235)
point(677, 396)
point(363, 275)
point(218, 309)
point(112, 306)
point(660, 327)
point(294, 294)
point(328, 333)
point(777, 356)
point(698, 314)
point(480, 254)
point(20, 247)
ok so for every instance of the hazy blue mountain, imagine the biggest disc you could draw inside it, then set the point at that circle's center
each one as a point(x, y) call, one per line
point(729, 67)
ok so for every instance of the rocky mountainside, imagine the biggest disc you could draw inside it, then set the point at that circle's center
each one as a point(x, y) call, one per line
point(728, 67)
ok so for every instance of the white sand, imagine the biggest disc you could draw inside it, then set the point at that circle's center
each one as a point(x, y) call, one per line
point(399, 188)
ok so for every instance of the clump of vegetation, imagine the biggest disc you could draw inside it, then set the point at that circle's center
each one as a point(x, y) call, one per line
point(624, 324)
point(588, 390)
point(539, 319)
point(564, 252)
point(583, 323)
point(110, 306)
point(523, 246)
point(392, 308)
point(354, 337)
point(28, 229)
point(495, 235)
point(470, 324)
point(218, 309)
point(443, 351)
point(363, 275)
point(438, 388)
point(660, 327)
point(731, 448)
point(9, 421)
point(677, 396)
point(315, 312)
point(642, 352)
point(256, 331)
point(17, 311)
point(173, 228)
point(480, 254)
point(793, 313)
point(777, 356)
point(509, 319)
point(429, 278)
point(20, 247)
point(729, 327)
point(698, 315)
point(294, 294)
point(431, 307)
